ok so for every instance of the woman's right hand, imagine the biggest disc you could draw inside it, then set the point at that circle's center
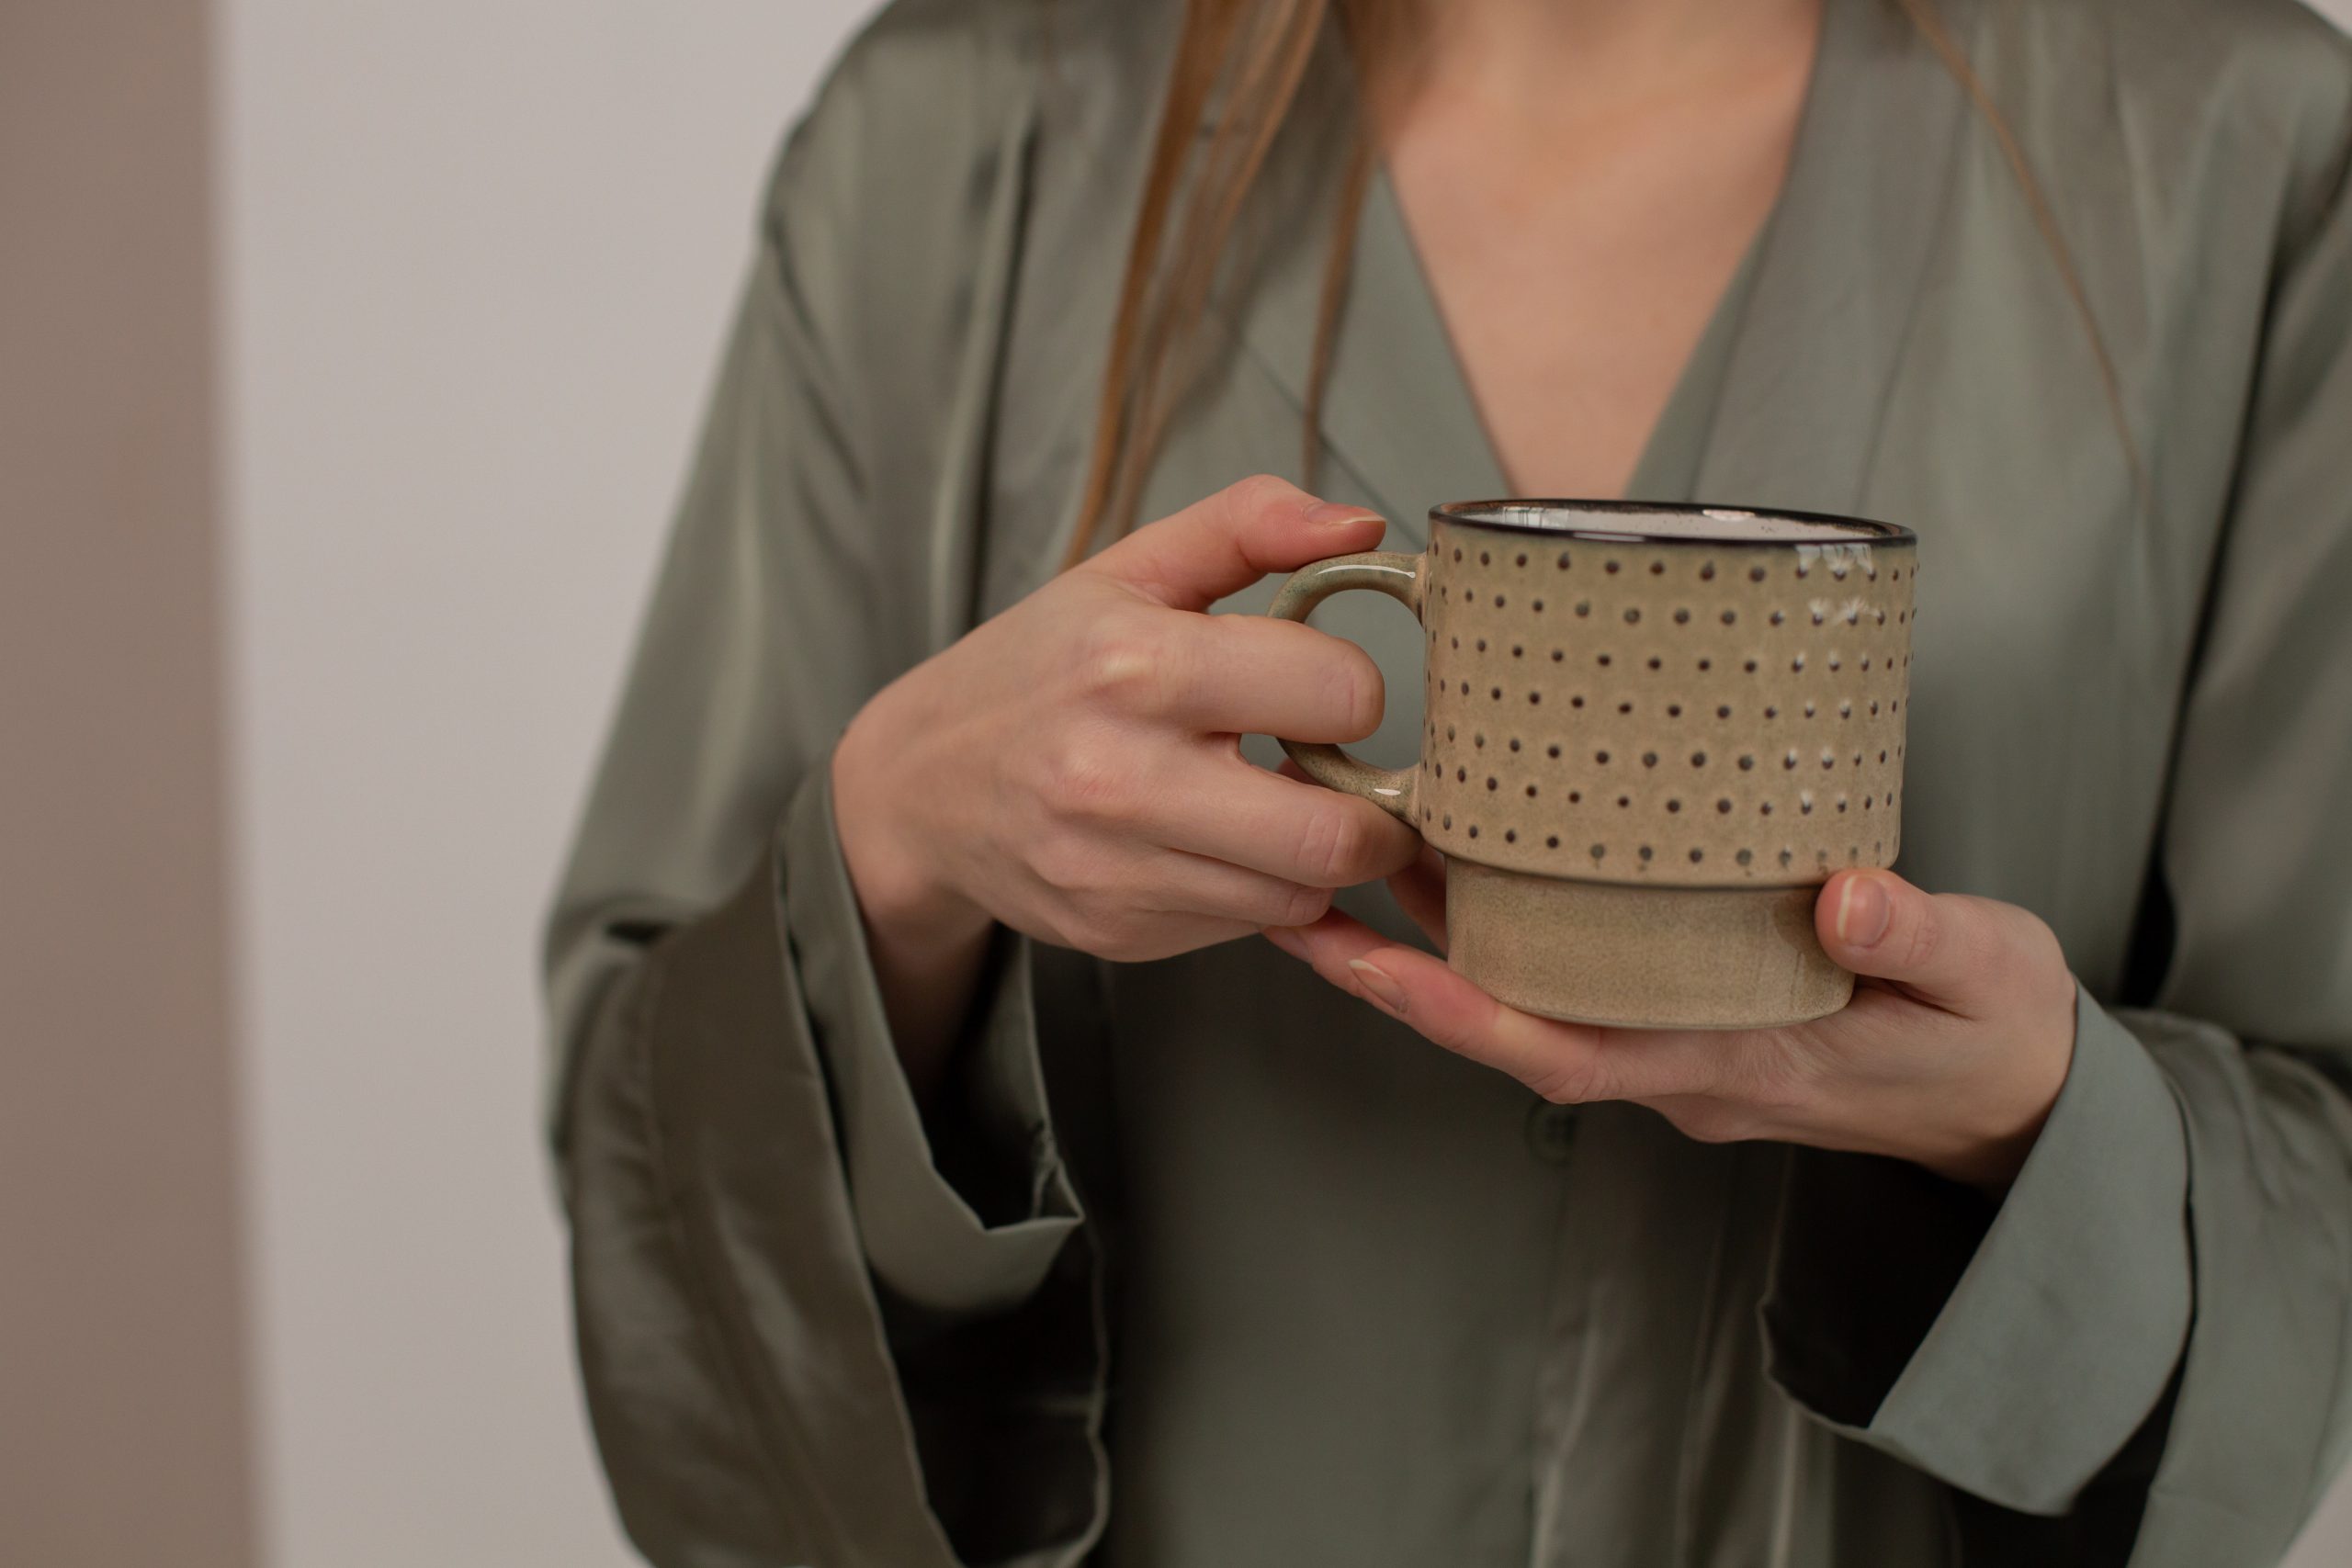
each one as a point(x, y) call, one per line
point(1072, 769)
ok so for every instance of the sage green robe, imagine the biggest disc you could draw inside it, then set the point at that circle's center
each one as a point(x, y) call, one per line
point(1202, 1263)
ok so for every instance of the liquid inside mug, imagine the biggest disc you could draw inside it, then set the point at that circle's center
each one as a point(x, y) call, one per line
point(1652, 732)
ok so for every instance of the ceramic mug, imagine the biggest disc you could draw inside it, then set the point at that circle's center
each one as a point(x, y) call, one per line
point(1652, 732)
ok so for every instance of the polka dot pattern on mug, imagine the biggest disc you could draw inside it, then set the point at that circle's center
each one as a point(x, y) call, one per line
point(1689, 713)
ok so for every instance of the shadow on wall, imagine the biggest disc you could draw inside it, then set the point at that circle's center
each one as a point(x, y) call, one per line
point(120, 1298)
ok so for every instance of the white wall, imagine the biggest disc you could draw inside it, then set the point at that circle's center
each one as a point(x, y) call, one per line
point(478, 260)
point(479, 256)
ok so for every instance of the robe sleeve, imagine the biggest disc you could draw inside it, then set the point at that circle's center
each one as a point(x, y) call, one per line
point(2160, 1309)
point(814, 1325)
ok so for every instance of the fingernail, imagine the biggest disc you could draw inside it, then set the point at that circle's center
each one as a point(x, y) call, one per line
point(1288, 940)
point(1332, 513)
point(1381, 983)
point(1863, 912)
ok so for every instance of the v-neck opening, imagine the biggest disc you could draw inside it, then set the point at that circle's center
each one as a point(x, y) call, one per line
point(1778, 404)
point(1667, 467)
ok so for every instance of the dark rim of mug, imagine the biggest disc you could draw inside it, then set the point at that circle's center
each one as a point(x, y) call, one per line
point(1524, 514)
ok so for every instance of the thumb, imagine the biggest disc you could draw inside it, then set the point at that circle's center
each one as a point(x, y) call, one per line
point(1222, 545)
point(1959, 951)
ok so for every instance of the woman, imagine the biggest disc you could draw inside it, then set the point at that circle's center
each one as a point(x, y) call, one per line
point(956, 1176)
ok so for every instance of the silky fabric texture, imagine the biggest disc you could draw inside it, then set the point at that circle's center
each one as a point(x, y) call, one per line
point(1203, 1263)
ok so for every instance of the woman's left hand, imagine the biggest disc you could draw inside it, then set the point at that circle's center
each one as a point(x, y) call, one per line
point(1951, 1054)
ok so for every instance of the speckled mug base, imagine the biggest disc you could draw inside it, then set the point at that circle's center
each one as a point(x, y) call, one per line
point(1641, 958)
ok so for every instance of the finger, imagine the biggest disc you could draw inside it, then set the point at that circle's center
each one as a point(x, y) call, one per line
point(1418, 888)
point(1568, 1062)
point(1561, 1062)
point(1186, 884)
point(1959, 953)
point(1121, 926)
point(1256, 675)
point(1419, 891)
point(1166, 936)
point(1564, 1062)
point(1223, 544)
point(1281, 827)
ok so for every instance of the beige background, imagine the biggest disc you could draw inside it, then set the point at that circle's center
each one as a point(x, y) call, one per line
point(385, 326)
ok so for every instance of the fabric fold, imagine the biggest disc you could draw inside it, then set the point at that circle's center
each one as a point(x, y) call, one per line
point(925, 1240)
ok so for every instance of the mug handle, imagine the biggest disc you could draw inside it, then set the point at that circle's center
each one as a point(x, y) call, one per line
point(1384, 571)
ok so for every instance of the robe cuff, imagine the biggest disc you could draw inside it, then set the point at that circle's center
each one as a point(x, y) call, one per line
point(2061, 1329)
point(982, 1241)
